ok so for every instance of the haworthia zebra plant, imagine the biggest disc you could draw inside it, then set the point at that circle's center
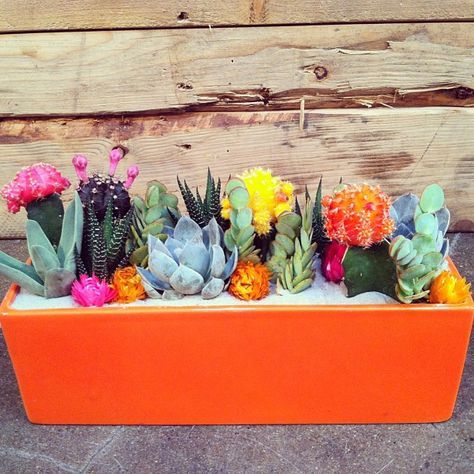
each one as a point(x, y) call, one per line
point(52, 272)
point(202, 210)
point(103, 249)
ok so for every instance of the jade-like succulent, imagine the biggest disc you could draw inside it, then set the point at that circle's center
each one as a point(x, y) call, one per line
point(241, 233)
point(283, 246)
point(419, 257)
point(52, 271)
point(191, 261)
point(155, 215)
point(298, 273)
point(202, 210)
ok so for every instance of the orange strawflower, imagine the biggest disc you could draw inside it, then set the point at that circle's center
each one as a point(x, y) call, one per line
point(358, 215)
point(250, 281)
point(447, 288)
point(128, 285)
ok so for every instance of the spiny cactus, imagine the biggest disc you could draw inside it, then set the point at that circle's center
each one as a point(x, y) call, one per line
point(283, 246)
point(202, 210)
point(192, 261)
point(52, 271)
point(241, 233)
point(298, 273)
point(101, 189)
point(357, 215)
point(419, 259)
point(104, 242)
point(155, 215)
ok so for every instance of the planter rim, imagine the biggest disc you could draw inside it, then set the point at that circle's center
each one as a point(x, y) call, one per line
point(6, 309)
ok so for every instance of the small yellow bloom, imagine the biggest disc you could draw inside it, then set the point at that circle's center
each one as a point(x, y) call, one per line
point(128, 285)
point(447, 288)
point(269, 197)
point(250, 281)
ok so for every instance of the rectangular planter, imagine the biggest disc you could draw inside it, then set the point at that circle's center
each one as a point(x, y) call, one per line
point(238, 365)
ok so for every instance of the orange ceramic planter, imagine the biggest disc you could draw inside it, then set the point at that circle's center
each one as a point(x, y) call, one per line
point(235, 365)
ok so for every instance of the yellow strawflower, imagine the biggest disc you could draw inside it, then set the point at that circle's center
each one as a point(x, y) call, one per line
point(269, 197)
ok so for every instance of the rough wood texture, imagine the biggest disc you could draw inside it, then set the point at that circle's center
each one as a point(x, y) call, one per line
point(236, 68)
point(31, 15)
point(403, 149)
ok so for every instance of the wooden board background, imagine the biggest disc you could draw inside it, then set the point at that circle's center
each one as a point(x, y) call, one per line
point(114, 72)
point(388, 91)
point(28, 15)
point(402, 149)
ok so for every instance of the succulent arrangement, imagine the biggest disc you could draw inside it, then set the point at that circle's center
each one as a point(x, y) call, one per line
point(248, 236)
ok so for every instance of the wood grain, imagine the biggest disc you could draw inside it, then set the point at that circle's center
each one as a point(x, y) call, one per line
point(32, 15)
point(83, 73)
point(402, 149)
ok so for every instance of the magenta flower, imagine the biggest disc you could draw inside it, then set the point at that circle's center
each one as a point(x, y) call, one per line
point(115, 155)
point(32, 183)
point(91, 291)
point(331, 261)
point(132, 173)
point(80, 165)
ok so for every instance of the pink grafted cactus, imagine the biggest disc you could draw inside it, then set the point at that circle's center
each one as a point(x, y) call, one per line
point(33, 183)
point(92, 291)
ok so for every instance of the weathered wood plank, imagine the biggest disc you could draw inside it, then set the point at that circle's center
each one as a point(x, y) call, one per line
point(236, 68)
point(402, 149)
point(32, 15)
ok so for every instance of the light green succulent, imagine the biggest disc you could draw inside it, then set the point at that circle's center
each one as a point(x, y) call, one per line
point(191, 261)
point(298, 273)
point(52, 271)
point(283, 246)
point(241, 233)
point(155, 215)
point(419, 259)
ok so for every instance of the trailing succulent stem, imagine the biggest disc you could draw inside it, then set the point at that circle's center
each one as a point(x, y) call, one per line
point(241, 233)
point(52, 271)
point(202, 210)
point(298, 273)
point(419, 259)
point(104, 242)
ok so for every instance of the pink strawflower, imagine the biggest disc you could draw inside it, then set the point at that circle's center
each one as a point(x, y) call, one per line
point(91, 291)
point(331, 261)
point(32, 183)
point(132, 173)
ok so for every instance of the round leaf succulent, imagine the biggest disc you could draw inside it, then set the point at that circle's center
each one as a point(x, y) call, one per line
point(191, 261)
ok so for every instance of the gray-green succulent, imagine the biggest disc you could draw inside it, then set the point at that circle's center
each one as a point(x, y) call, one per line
point(241, 233)
point(155, 215)
point(420, 255)
point(52, 272)
point(298, 273)
point(191, 261)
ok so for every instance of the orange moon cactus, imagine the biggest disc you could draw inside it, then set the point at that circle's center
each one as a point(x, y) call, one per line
point(358, 215)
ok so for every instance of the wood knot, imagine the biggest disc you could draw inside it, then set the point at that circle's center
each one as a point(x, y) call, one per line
point(320, 72)
point(464, 93)
point(183, 16)
point(184, 86)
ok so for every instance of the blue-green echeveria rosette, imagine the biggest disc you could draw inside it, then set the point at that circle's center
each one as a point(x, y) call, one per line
point(191, 261)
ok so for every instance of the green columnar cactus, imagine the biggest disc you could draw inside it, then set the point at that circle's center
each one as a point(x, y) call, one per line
point(104, 243)
point(155, 215)
point(52, 271)
point(319, 234)
point(201, 210)
point(419, 259)
point(283, 246)
point(241, 233)
point(298, 273)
